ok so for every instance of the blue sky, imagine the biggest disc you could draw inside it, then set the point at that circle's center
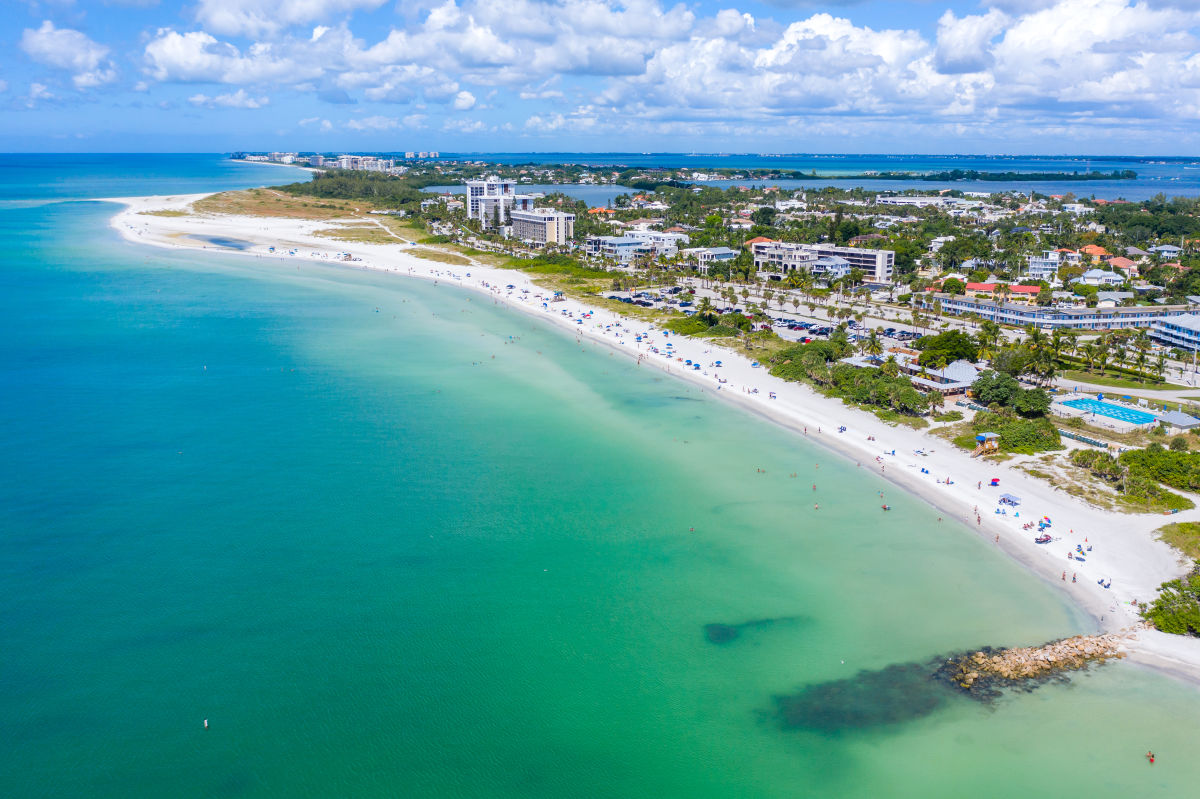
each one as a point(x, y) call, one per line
point(994, 76)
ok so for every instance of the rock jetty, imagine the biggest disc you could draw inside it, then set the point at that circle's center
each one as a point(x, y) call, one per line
point(985, 672)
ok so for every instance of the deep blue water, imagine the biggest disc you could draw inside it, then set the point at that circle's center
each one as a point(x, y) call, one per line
point(1169, 176)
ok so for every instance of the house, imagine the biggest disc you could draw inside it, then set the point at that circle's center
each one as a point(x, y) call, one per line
point(955, 378)
point(706, 257)
point(1136, 252)
point(1100, 277)
point(1094, 251)
point(1124, 265)
point(1166, 251)
point(866, 237)
point(1111, 299)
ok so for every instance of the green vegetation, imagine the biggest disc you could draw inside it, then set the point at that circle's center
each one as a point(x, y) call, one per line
point(1116, 382)
point(1017, 434)
point(166, 212)
point(270, 202)
point(816, 364)
point(992, 388)
point(1177, 608)
point(1134, 482)
point(368, 234)
point(1184, 536)
point(948, 416)
point(439, 255)
point(382, 191)
point(1177, 469)
point(947, 347)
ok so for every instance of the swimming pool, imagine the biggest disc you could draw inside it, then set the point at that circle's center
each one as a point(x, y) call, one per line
point(1112, 411)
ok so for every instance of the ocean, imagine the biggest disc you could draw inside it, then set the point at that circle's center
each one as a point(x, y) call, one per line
point(1171, 177)
point(389, 538)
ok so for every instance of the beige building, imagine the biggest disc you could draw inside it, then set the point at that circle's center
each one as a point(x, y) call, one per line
point(542, 226)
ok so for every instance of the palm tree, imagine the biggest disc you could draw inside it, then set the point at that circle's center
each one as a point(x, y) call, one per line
point(873, 346)
point(705, 309)
point(1141, 359)
point(1091, 354)
point(1160, 366)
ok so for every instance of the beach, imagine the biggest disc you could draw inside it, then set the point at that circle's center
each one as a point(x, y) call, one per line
point(1122, 547)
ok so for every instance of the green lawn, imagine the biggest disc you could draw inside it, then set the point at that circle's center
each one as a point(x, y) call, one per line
point(1184, 536)
point(1117, 382)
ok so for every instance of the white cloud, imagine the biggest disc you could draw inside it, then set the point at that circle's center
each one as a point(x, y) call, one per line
point(323, 125)
point(197, 57)
point(414, 120)
point(963, 44)
point(37, 92)
point(374, 123)
point(256, 17)
point(671, 70)
point(238, 99)
point(72, 51)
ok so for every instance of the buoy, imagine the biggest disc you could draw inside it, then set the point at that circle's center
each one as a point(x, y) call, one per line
point(206, 724)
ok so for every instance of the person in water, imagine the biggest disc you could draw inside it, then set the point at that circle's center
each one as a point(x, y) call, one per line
point(1150, 757)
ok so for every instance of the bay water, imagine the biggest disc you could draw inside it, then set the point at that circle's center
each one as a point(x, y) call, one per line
point(392, 539)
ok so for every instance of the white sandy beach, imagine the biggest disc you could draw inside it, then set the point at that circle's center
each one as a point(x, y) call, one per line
point(1123, 547)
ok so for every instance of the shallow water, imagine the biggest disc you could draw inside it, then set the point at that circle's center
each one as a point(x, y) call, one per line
point(384, 551)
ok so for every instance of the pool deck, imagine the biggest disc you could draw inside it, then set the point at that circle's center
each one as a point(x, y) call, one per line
point(1119, 425)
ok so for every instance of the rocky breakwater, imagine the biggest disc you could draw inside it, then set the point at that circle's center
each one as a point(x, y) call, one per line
point(985, 673)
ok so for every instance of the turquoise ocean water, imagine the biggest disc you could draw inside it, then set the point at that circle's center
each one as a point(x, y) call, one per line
point(386, 550)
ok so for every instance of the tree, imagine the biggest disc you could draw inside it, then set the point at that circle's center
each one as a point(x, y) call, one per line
point(873, 346)
point(954, 286)
point(764, 216)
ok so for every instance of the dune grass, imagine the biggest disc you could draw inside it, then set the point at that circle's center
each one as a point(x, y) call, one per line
point(271, 203)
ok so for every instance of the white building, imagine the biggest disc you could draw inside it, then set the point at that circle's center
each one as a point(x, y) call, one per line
point(705, 257)
point(621, 249)
point(491, 200)
point(1178, 331)
point(1046, 266)
point(777, 258)
point(664, 244)
point(542, 226)
point(1100, 277)
point(916, 202)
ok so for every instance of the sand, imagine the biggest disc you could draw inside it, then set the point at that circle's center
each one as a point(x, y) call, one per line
point(1124, 550)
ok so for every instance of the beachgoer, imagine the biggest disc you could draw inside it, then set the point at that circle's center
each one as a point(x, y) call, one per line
point(1072, 576)
point(816, 506)
point(1150, 757)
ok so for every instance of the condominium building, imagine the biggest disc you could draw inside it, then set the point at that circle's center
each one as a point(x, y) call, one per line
point(1178, 331)
point(621, 249)
point(542, 226)
point(1048, 317)
point(916, 202)
point(492, 199)
point(777, 258)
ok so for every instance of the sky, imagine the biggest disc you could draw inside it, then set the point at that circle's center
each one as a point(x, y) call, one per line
point(983, 76)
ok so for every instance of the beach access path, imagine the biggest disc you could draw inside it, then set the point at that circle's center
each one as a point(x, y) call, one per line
point(1124, 549)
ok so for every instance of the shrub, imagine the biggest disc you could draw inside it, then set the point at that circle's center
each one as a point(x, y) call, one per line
point(1176, 610)
point(687, 326)
point(1179, 444)
point(949, 416)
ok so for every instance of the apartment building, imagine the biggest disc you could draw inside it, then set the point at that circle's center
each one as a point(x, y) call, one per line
point(542, 226)
point(492, 200)
point(1048, 317)
point(777, 258)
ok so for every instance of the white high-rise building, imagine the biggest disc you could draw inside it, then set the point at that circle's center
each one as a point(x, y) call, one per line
point(491, 200)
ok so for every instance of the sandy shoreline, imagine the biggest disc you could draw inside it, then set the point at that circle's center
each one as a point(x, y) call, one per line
point(1124, 549)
